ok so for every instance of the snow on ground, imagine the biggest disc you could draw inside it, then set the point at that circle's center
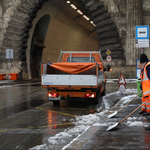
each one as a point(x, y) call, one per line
point(126, 99)
point(128, 91)
point(6, 81)
point(117, 95)
point(84, 122)
point(106, 99)
point(135, 121)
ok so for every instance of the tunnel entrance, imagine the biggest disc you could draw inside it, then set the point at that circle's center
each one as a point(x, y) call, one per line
point(36, 57)
point(37, 46)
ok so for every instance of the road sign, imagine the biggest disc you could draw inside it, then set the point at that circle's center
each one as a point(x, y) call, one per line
point(142, 32)
point(142, 41)
point(142, 45)
point(122, 88)
point(142, 36)
point(122, 82)
point(9, 53)
point(108, 58)
point(121, 79)
point(108, 52)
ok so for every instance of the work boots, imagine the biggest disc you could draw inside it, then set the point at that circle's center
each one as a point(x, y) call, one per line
point(141, 112)
point(147, 128)
point(146, 113)
point(148, 118)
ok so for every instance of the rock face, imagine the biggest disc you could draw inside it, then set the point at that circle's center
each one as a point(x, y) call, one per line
point(16, 23)
point(114, 20)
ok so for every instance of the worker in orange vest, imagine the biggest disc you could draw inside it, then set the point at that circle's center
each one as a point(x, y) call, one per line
point(145, 83)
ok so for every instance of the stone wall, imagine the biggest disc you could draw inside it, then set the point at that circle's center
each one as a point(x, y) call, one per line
point(115, 22)
point(146, 19)
point(67, 31)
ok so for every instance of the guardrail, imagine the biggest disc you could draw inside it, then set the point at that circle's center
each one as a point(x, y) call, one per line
point(115, 74)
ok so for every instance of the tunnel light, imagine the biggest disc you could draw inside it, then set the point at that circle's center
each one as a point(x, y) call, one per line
point(73, 6)
point(86, 17)
point(92, 23)
point(80, 12)
point(68, 2)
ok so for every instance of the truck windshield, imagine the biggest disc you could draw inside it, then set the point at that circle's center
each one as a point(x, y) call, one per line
point(81, 59)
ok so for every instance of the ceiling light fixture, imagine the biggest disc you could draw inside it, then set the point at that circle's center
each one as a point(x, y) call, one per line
point(92, 23)
point(80, 12)
point(86, 17)
point(68, 2)
point(73, 6)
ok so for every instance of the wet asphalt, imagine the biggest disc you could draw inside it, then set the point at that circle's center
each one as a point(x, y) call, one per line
point(121, 137)
point(27, 119)
point(124, 136)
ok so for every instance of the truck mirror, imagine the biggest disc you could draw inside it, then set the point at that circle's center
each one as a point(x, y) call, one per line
point(108, 68)
point(105, 69)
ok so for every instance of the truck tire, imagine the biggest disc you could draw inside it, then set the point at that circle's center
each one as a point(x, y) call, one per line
point(56, 102)
point(103, 93)
point(96, 99)
point(71, 100)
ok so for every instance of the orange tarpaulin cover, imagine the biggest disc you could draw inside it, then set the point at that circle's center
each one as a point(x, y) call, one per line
point(73, 68)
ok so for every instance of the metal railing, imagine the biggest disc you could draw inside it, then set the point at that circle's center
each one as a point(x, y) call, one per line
point(115, 74)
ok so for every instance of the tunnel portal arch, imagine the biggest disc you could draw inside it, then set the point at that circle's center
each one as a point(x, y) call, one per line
point(107, 31)
point(37, 46)
point(17, 32)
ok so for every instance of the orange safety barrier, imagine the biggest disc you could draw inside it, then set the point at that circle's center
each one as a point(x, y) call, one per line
point(14, 76)
point(2, 76)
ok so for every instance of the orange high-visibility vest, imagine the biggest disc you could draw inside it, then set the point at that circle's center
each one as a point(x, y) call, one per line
point(145, 81)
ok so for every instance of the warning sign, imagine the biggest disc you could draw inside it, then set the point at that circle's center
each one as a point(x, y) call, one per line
point(122, 82)
point(122, 88)
point(121, 79)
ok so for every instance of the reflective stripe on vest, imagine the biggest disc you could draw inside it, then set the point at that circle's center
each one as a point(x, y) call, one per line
point(146, 78)
point(146, 92)
point(147, 103)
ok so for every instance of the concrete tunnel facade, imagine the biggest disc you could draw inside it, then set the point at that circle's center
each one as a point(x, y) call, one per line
point(37, 30)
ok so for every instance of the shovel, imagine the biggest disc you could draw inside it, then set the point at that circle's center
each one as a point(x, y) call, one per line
point(116, 112)
point(115, 125)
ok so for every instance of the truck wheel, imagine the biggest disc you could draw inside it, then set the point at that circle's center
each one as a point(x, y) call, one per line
point(96, 99)
point(71, 100)
point(56, 102)
point(103, 93)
